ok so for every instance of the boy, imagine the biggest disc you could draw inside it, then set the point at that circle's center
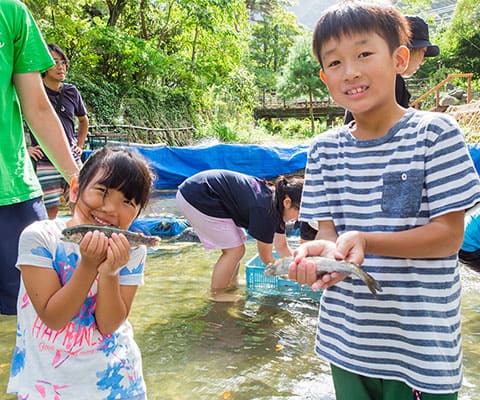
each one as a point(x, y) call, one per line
point(420, 47)
point(389, 193)
point(68, 103)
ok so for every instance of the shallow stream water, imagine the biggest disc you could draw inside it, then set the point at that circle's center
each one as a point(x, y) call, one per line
point(260, 347)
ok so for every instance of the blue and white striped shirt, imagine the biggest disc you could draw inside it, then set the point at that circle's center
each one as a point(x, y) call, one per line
point(419, 170)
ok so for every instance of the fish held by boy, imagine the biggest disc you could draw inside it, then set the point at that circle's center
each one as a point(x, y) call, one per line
point(326, 265)
point(75, 234)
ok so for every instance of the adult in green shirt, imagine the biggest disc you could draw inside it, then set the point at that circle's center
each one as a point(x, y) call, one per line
point(23, 56)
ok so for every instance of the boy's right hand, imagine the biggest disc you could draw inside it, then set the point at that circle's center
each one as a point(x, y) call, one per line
point(304, 271)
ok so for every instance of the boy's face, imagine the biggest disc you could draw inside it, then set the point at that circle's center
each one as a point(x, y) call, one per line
point(59, 71)
point(360, 71)
point(417, 58)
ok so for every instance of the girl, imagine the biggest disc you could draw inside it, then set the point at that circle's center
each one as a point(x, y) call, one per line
point(73, 337)
point(220, 203)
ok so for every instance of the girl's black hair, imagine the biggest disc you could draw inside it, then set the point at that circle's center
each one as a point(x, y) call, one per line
point(123, 170)
point(286, 187)
point(349, 17)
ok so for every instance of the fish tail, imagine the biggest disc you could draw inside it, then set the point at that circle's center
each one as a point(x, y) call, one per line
point(369, 280)
point(373, 284)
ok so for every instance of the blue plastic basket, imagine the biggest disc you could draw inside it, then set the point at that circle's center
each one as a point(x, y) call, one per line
point(258, 283)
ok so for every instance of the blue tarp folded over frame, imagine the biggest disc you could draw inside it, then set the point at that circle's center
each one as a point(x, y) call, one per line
point(172, 165)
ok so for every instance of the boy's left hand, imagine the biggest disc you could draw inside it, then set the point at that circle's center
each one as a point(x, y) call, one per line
point(118, 254)
point(351, 247)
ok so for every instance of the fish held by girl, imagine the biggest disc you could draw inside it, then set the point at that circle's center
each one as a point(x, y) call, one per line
point(75, 234)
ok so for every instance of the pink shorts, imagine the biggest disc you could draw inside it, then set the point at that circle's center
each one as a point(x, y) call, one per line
point(213, 232)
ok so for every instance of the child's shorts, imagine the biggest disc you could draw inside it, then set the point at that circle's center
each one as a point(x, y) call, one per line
point(213, 232)
point(13, 220)
point(52, 182)
point(366, 388)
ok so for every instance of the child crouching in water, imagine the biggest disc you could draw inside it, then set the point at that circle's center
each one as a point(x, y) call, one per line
point(73, 337)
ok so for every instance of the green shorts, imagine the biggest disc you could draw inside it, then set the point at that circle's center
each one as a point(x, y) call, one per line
point(348, 384)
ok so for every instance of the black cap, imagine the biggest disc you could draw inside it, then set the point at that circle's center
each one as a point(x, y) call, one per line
point(420, 37)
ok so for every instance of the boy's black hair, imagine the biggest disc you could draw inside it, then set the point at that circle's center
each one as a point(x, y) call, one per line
point(123, 170)
point(286, 187)
point(350, 17)
point(56, 48)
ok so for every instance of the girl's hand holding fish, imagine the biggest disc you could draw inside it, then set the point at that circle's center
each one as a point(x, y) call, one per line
point(107, 254)
point(93, 249)
point(118, 254)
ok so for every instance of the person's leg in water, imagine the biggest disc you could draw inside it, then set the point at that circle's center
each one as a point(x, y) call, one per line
point(218, 234)
point(225, 274)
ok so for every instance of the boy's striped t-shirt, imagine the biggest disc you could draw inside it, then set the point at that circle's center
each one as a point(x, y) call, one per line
point(420, 170)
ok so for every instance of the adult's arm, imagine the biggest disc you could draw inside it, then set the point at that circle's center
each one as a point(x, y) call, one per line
point(82, 130)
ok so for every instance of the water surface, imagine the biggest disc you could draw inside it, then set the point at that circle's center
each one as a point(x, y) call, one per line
point(260, 347)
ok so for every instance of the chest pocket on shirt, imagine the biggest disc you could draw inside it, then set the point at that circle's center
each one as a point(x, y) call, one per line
point(402, 192)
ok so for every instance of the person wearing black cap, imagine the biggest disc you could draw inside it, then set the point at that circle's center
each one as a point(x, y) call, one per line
point(420, 47)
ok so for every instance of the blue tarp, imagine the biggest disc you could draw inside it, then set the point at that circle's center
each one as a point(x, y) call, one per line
point(475, 154)
point(172, 165)
point(160, 226)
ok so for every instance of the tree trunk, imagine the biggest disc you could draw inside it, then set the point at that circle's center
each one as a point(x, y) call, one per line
point(115, 9)
point(143, 20)
point(194, 46)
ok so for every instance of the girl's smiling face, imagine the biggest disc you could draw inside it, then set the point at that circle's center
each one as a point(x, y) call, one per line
point(100, 205)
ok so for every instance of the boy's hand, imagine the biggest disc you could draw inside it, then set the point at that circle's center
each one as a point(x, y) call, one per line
point(93, 248)
point(118, 254)
point(304, 271)
point(351, 247)
point(35, 152)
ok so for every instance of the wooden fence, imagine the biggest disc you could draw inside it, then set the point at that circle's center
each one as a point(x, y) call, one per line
point(100, 135)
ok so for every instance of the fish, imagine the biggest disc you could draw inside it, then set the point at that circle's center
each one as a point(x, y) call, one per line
point(76, 233)
point(325, 265)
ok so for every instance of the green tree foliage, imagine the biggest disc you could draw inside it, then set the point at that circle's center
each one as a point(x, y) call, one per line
point(460, 41)
point(186, 50)
point(272, 37)
point(300, 76)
